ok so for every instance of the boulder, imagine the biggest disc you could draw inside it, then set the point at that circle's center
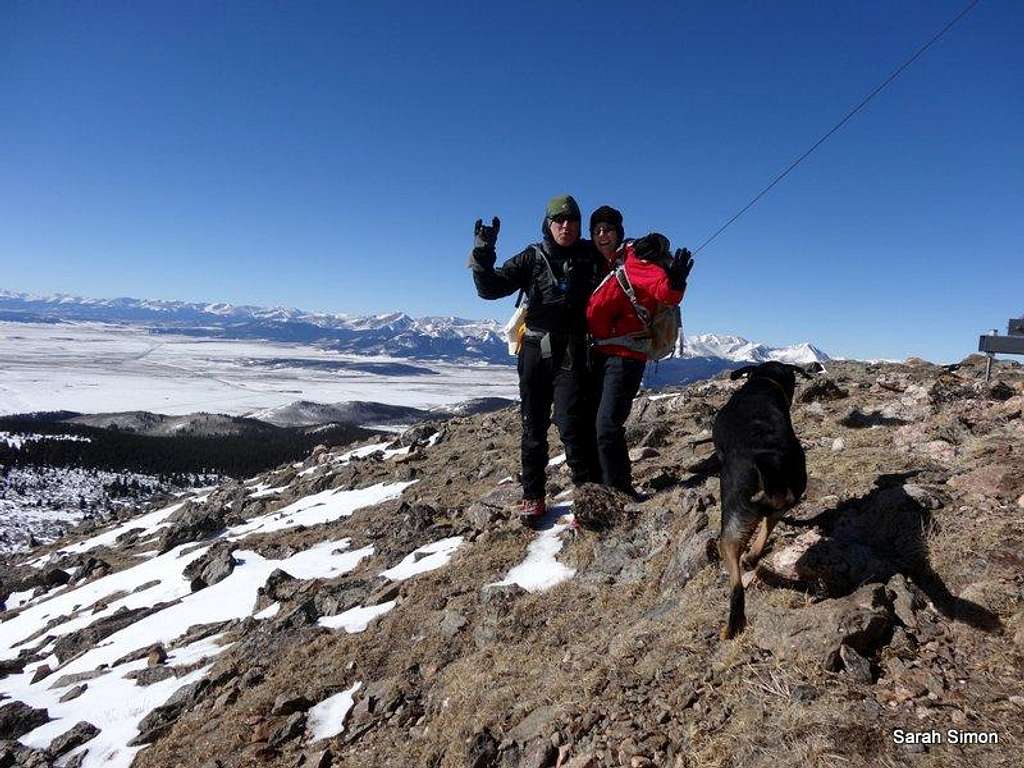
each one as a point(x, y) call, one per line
point(279, 587)
point(693, 549)
point(191, 523)
point(822, 390)
point(214, 566)
point(416, 436)
point(158, 722)
point(290, 703)
point(73, 739)
point(18, 718)
point(73, 693)
point(495, 507)
point(864, 621)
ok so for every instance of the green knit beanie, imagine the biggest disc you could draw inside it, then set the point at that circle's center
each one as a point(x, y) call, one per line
point(563, 205)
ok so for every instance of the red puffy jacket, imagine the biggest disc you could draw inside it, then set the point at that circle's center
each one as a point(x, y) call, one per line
point(610, 312)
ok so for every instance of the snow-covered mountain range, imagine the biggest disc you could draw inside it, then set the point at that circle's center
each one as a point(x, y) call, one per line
point(394, 334)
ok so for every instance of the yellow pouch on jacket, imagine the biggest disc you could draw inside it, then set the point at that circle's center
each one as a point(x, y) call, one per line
point(514, 330)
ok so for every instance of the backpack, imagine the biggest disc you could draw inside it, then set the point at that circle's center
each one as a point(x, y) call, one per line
point(661, 338)
point(515, 328)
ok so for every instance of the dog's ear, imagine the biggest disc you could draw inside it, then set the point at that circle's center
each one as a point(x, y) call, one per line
point(801, 371)
point(741, 372)
point(814, 367)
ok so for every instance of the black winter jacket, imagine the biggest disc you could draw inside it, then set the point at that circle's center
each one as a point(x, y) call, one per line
point(555, 306)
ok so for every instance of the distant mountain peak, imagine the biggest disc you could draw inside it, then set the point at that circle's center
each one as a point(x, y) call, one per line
point(389, 334)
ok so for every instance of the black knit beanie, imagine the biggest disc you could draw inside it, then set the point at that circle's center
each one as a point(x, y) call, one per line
point(607, 215)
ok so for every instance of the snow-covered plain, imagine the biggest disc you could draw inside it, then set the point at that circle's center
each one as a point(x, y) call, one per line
point(95, 368)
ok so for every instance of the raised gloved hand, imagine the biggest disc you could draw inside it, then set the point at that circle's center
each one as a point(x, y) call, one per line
point(653, 247)
point(483, 256)
point(679, 269)
point(484, 236)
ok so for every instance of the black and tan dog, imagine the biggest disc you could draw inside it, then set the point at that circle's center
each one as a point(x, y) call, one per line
point(763, 470)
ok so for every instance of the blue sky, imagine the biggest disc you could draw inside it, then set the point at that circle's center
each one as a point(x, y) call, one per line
point(334, 156)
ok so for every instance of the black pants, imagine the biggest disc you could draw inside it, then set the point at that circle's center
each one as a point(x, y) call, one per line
point(614, 383)
point(545, 381)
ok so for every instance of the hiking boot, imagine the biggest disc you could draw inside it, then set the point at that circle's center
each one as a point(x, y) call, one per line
point(531, 510)
point(634, 495)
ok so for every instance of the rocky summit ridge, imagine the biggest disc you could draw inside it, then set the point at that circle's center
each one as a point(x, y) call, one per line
point(376, 605)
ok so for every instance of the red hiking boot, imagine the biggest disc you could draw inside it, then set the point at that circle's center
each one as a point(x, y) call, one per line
point(531, 510)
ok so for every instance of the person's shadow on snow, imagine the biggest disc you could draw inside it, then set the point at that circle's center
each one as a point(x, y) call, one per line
point(552, 517)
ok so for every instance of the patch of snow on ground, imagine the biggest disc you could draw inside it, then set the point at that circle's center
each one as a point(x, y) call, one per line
point(166, 569)
point(112, 703)
point(116, 705)
point(356, 619)
point(427, 558)
point(268, 613)
point(16, 440)
point(263, 490)
point(396, 429)
point(363, 452)
point(327, 719)
point(150, 524)
point(540, 570)
point(559, 459)
point(319, 508)
point(18, 599)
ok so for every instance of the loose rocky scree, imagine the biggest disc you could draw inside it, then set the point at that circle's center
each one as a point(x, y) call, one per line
point(891, 598)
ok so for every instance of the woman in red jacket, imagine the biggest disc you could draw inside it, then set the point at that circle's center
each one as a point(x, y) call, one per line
point(618, 354)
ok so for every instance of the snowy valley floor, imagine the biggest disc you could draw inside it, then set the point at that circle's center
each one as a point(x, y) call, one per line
point(95, 368)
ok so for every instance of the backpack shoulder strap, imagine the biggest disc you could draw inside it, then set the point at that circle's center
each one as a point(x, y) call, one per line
point(627, 288)
point(538, 250)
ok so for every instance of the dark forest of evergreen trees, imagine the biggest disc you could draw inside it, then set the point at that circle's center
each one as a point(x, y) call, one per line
point(234, 455)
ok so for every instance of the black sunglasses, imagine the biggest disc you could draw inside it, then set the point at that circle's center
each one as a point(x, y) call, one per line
point(562, 218)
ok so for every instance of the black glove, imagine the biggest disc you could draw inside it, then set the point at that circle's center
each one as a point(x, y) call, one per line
point(653, 247)
point(484, 236)
point(680, 268)
point(483, 256)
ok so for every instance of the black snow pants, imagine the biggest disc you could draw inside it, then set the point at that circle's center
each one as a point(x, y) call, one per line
point(558, 380)
point(614, 383)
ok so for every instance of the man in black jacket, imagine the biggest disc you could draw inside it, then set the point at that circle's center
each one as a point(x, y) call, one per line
point(556, 277)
